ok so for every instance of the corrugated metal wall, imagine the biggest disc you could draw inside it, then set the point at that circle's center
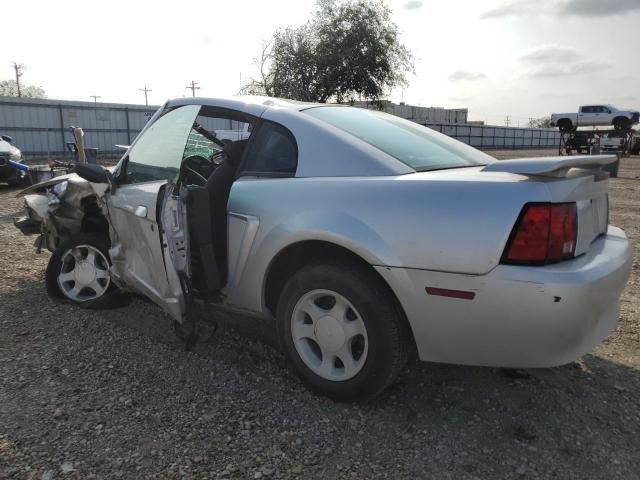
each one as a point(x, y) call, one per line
point(41, 127)
point(507, 138)
point(416, 113)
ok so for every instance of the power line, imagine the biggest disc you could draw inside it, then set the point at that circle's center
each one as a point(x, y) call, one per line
point(146, 90)
point(95, 98)
point(507, 120)
point(18, 67)
point(193, 86)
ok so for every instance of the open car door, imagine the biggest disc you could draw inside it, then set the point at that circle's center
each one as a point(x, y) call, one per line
point(139, 249)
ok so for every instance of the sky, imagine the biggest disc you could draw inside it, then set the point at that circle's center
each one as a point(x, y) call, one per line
point(519, 58)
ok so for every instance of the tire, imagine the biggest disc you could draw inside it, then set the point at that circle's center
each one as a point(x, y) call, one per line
point(375, 344)
point(621, 123)
point(565, 125)
point(63, 262)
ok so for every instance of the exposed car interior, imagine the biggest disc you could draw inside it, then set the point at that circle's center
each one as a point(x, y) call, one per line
point(208, 176)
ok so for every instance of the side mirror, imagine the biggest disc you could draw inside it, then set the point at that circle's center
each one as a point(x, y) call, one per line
point(7, 138)
point(93, 173)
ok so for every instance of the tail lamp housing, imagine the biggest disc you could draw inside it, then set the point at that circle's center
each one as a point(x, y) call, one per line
point(544, 233)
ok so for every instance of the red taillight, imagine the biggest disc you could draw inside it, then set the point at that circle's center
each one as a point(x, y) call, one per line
point(545, 233)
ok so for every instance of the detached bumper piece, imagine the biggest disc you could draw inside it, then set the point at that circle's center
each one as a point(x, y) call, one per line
point(27, 225)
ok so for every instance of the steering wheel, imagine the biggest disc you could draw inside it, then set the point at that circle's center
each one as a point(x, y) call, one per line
point(194, 164)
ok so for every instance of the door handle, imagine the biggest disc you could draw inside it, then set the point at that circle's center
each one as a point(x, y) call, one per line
point(140, 211)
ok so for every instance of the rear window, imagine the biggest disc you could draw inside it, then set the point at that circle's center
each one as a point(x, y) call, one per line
point(414, 145)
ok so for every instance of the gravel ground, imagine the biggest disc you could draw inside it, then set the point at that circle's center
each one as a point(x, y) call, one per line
point(112, 394)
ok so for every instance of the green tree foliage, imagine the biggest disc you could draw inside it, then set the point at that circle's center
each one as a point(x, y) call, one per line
point(543, 122)
point(9, 88)
point(351, 49)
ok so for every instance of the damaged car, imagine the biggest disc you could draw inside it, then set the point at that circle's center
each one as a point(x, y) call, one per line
point(359, 237)
point(12, 170)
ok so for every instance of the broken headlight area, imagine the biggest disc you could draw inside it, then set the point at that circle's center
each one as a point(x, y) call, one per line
point(59, 189)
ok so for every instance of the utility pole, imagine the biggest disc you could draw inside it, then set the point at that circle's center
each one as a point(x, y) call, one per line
point(95, 98)
point(18, 67)
point(507, 120)
point(193, 86)
point(145, 90)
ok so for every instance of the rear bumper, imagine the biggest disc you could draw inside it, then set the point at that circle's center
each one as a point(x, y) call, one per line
point(520, 316)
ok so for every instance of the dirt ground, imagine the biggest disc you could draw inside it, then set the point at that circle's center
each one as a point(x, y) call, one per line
point(112, 394)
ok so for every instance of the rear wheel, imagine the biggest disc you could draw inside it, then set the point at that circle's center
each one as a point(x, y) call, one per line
point(621, 123)
point(342, 331)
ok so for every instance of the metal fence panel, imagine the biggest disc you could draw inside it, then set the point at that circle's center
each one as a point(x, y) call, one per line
point(41, 127)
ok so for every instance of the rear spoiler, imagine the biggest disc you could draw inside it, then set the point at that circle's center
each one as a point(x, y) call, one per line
point(550, 166)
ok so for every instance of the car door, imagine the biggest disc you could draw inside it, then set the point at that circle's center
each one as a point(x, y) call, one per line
point(586, 115)
point(150, 168)
point(600, 116)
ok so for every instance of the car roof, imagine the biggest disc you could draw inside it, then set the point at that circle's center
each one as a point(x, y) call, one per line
point(323, 150)
point(251, 104)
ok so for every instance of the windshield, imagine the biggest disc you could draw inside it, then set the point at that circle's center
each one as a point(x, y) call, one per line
point(419, 147)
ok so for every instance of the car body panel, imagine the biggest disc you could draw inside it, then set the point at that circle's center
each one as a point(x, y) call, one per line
point(520, 316)
point(136, 252)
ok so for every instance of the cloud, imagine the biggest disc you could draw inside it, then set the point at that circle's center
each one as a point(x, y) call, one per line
point(512, 8)
point(549, 61)
point(597, 8)
point(562, 8)
point(413, 5)
point(550, 53)
point(465, 76)
point(575, 68)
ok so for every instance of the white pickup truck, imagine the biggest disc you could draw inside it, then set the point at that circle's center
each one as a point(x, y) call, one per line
point(595, 116)
point(234, 135)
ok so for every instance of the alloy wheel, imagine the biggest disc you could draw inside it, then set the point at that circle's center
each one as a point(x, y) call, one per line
point(84, 274)
point(329, 335)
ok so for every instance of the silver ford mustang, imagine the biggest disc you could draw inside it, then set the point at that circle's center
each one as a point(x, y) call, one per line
point(360, 236)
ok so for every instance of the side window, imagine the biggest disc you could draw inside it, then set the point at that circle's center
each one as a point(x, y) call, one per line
point(273, 152)
point(212, 130)
point(587, 109)
point(157, 154)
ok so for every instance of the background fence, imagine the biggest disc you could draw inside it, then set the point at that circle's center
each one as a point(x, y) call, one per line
point(41, 128)
point(493, 137)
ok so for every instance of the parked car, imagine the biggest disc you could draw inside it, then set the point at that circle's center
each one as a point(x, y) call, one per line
point(8, 173)
point(581, 142)
point(596, 115)
point(358, 235)
point(614, 141)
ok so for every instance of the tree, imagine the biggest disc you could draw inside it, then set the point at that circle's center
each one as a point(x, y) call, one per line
point(350, 49)
point(543, 122)
point(9, 88)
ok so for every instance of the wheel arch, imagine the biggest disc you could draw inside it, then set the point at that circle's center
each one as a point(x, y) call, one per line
point(621, 119)
point(565, 122)
point(307, 252)
point(93, 220)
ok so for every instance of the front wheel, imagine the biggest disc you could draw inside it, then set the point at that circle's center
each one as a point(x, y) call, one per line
point(342, 330)
point(565, 125)
point(78, 270)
